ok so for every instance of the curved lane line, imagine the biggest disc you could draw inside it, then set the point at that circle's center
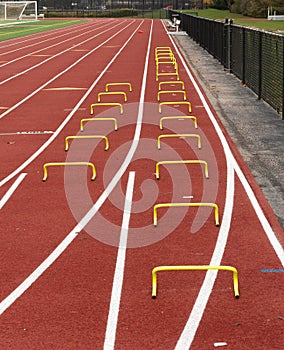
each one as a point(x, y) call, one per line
point(11, 190)
point(11, 298)
point(70, 115)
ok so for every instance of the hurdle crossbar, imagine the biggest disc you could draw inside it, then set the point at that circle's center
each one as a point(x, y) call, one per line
point(94, 119)
point(179, 135)
point(177, 82)
point(86, 137)
point(107, 93)
point(110, 104)
point(46, 165)
point(170, 205)
point(195, 268)
point(179, 118)
point(168, 162)
point(175, 103)
point(166, 74)
point(172, 92)
point(118, 84)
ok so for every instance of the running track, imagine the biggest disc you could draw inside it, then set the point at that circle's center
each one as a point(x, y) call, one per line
point(77, 255)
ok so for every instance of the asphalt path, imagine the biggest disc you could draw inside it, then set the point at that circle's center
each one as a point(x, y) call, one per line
point(256, 129)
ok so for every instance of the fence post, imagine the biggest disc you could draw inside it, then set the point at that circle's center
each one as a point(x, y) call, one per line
point(283, 78)
point(260, 66)
point(244, 56)
point(230, 44)
point(225, 43)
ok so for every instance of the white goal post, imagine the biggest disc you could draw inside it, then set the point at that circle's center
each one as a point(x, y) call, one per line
point(18, 10)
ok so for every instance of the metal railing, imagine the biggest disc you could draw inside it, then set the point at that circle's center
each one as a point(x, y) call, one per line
point(255, 56)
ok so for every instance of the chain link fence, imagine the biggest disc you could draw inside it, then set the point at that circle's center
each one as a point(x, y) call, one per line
point(256, 57)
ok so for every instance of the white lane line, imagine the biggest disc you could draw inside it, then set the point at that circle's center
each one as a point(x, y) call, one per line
point(259, 212)
point(12, 189)
point(70, 115)
point(188, 333)
point(11, 298)
point(48, 59)
point(49, 47)
point(119, 268)
point(198, 311)
point(40, 41)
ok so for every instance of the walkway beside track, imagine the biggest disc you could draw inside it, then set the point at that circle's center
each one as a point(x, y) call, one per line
point(256, 129)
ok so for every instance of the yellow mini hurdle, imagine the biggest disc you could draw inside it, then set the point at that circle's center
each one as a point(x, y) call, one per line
point(174, 82)
point(159, 49)
point(179, 135)
point(172, 92)
point(179, 118)
point(169, 162)
point(195, 268)
point(164, 56)
point(108, 85)
point(86, 137)
point(85, 120)
point(111, 104)
point(167, 74)
point(107, 93)
point(170, 205)
point(46, 165)
point(178, 103)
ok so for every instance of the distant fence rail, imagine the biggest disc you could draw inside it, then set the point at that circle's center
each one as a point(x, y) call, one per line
point(256, 57)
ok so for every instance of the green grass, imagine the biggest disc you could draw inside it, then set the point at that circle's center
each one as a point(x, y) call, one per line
point(10, 30)
point(261, 23)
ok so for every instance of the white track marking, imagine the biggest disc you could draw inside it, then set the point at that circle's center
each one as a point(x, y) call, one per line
point(259, 212)
point(54, 45)
point(196, 314)
point(89, 215)
point(70, 115)
point(188, 334)
point(35, 37)
point(51, 58)
point(256, 206)
point(11, 190)
point(39, 40)
point(119, 268)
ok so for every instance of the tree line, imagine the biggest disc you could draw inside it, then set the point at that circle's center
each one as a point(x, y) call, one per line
point(253, 8)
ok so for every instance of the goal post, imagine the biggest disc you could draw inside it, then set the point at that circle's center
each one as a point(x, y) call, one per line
point(18, 10)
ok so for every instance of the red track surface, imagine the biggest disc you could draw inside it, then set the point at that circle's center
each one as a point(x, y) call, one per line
point(67, 305)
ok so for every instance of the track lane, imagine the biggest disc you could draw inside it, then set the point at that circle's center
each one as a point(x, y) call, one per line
point(160, 325)
point(134, 115)
point(38, 103)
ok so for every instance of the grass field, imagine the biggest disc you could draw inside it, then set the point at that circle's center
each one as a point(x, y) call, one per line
point(10, 30)
point(261, 23)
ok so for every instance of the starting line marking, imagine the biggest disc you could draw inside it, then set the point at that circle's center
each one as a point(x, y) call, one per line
point(12, 189)
point(27, 133)
point(119, 268)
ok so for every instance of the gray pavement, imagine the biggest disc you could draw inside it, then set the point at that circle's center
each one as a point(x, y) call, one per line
point(256, 129)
